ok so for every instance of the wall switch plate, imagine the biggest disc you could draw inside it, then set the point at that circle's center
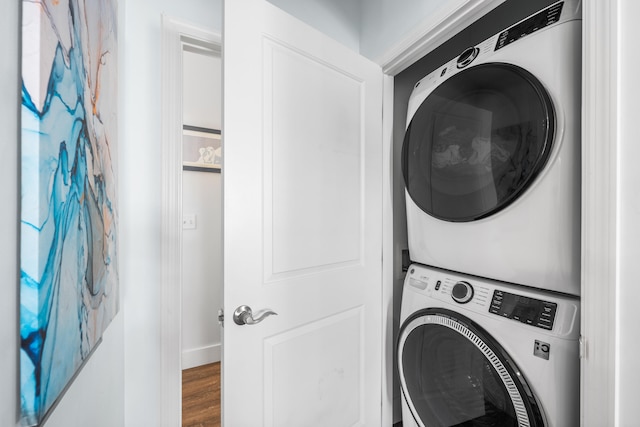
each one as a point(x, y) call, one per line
point(189, 221)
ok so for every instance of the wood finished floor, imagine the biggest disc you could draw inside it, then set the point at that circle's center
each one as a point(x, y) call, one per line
point(201, 396)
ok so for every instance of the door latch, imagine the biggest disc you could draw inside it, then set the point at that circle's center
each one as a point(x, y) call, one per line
point(221, 317)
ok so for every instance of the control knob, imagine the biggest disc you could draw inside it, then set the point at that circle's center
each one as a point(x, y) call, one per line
point(467, 57)
point(462, 292)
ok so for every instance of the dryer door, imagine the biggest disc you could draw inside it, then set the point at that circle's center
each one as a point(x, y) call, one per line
point(477, 142)
point(452, 373)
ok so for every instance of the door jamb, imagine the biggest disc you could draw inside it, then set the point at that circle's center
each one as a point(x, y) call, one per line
point(175, 34)
point(600, 240)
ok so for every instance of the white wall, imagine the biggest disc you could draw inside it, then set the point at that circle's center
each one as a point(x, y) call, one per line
point(370, 27)
point(201, 269)
point(140, 216)
point(386, 22)
point(202, 90)
point(96, 397)
point(339, 19)
point(201, 196)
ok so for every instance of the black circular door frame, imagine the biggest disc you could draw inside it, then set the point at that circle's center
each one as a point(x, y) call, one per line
point(526, 406)
point(465, 190)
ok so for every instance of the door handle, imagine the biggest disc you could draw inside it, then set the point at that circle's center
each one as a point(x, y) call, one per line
point(244, 316)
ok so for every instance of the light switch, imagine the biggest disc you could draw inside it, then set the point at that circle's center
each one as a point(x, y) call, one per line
point(189, 221)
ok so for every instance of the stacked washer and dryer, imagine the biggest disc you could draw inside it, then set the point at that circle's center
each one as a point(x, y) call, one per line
point(491, 161)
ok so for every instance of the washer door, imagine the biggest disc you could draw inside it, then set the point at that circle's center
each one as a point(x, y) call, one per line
point(452, 373)
point(477, 142)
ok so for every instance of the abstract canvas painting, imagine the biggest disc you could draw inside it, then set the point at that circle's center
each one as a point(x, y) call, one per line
point(68, 235)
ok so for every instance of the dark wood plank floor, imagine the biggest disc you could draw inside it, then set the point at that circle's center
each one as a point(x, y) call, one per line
point(201, 396)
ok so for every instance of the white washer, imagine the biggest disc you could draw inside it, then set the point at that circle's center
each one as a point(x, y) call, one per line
point(479, 352)
point(491, 156)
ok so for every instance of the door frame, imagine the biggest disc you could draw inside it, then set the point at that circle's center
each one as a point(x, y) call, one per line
point(175, 34)
point(600, 209)
point(600, 236)
point(599, 202)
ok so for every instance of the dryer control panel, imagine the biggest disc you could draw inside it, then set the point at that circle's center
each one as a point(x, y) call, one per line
point(536, 22)
point(524, 309)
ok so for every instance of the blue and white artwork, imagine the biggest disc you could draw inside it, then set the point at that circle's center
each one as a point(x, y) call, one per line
point(69, 239)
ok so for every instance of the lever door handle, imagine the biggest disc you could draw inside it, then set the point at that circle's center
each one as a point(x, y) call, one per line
point(244, 315)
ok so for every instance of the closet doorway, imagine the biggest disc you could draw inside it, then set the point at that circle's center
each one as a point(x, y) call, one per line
point(201, 204)
point(191, 246)
point(202, 279)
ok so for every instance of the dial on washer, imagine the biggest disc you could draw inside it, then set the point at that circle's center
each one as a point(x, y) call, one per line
point(467, 57)
point(462, 292)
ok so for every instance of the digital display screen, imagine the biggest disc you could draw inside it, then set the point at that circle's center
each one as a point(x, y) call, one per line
point(523, 309)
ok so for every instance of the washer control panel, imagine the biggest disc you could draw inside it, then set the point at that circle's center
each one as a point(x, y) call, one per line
point(527, 310)
point(549, 313)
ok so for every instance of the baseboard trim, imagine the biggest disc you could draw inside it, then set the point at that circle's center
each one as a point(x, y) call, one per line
point(201, 356)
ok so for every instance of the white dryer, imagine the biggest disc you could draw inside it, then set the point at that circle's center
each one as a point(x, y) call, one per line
point(477, 352)
point(491, 156)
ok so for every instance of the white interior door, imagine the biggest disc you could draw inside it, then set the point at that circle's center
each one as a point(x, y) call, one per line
point(302, 224)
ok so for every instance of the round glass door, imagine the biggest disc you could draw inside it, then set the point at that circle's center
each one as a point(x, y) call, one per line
point(453, 374)
point(477, 142)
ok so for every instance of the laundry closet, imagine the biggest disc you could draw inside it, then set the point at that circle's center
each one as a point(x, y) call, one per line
point(490, 313)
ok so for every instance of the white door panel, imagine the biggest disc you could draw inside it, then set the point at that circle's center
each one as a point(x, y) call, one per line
point(302, 224)
point(313, 176)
